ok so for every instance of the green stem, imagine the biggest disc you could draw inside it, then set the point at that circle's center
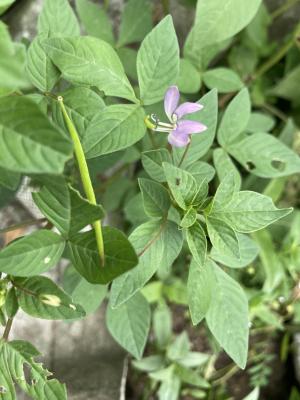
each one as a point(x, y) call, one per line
point(85, 176)
point(7, 329)
point(282, 9)
point(166, 6)
point(274, 59)
point(184, 154)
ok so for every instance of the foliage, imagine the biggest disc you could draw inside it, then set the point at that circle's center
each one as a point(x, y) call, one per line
point(211, 228)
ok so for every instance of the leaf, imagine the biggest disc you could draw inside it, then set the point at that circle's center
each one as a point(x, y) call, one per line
point(189, 79)
point(65, 207)
point(4, 5)
point(288, 87)
point(248, 251)
point(191, 377)
point(136, 22)
point(133, 318)
point(29, 141)
point(260, 122)
point(197, 243)
point(270, 262)
point(182, 184)
point(201, 143)
point(89, 296)
point(58, 19)
point(114, 128)
point(162, 325)
point(200, 171)
point(156, 243)
point(16, 357)
point(90, 61)
point(179, 348)
point(12, 63)
point(119, 255)
point(11, 303)
point(128, 58)
point(224, 165)
point(158, 61)
point(265, 156)
point(200, 288)
point(11, 180)
point(40, 297)
point(149, 364)
point(223, 237)
point(249, 211)
point(81, 104)
point(235, 119)
point(41, 71)
point(95, 20)
point(227, 316)
point(214, 23)
point(155, 198)
point(32, 254)
point(189, 218)
point(223, 79)
point(152, 161)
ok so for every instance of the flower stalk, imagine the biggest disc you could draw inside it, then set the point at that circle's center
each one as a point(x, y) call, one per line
point(85, 176)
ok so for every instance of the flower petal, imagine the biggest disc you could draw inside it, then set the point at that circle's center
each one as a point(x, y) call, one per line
point(171, 101)
point(178, 140)
point(187, 127)
point(187, 108)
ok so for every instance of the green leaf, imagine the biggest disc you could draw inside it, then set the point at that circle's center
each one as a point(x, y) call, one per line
point(156, 199)
point(114, 128)
point(248, 251)
point(162, 325)
point(11, 303)
point(81, 104)
point(189, 218)
point(200, 288)
point(40, 297)
point(58, 19)
point(32, 254)
point(227, 316)
point(158, 61)
point(182, 184)
point(201, 143)
point(235, 119)
point(128, 58)
point(265, 156)
point(119, 255)
point(249, 211)
point(189, 79)
point(201, 170)
point(149, 364)
point(223, 237)
point(193, 359)
point(179, 348)
point(260, 122)
point(157, 243)
point(41, 71)
point(197, 243)
point(270, 262)
point(223, 79)
point(95, 20)
point(133, 319)
point(288, 87)
point(11, 180)
point(12, 63)
point(214, 23)
point(90, 61)
point(136, 22)
point(191, 377)
point(224, 165)
point(89, 296)
point(152, 161)
point(29, 141)
point(16, 358)
point(65, 207)
point(4, 5)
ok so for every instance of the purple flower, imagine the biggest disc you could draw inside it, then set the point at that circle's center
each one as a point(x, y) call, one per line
point(179, 129)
